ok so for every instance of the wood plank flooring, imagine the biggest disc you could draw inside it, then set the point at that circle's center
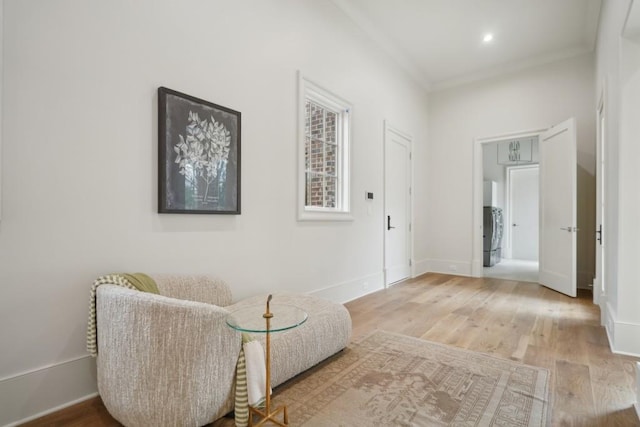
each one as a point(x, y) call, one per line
point(521, 321)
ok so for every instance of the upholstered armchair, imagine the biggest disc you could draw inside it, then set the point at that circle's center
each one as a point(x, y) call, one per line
point(170, 359)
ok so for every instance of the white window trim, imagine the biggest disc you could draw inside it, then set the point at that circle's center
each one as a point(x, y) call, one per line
point(307, 88)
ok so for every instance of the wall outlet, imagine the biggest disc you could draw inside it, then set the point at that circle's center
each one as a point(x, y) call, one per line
point(453, 267)
point(365, 286)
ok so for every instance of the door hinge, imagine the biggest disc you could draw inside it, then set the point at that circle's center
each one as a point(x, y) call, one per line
point(409, 262)
point(410, 191)
point(409, 226)
point(410, 155)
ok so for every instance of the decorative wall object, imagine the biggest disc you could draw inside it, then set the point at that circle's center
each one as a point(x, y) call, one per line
point(198, 155)
point(517, 151)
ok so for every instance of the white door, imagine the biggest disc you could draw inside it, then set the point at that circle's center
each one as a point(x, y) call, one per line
point(558, 208)
point(523, 209)
point(598, 282)
point(397, 203)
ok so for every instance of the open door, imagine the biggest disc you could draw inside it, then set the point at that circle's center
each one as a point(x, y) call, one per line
point(558, 216)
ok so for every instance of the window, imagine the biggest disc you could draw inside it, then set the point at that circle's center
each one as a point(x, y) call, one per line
point(324, 154)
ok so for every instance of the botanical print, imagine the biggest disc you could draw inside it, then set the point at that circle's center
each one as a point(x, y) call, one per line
point(199, 147)
point(203, 155)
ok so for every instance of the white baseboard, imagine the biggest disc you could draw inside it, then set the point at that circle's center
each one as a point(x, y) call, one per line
point(30, 395)
point(420, 267)
point(609, 324)
point(627, 339)
point(456, 267)
point(623, 336)
point(477, 266)
point(602, 303)
point(348, 291)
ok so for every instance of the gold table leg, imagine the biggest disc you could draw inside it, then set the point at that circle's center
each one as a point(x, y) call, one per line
point(266, 415)
point(269, 417)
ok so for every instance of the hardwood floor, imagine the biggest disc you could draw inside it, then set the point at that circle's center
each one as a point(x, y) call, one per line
point(521, 321)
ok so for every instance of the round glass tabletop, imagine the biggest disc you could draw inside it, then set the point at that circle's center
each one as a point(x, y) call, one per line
point(250, 318)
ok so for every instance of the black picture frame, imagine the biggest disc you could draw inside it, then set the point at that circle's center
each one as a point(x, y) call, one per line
point(198, 155)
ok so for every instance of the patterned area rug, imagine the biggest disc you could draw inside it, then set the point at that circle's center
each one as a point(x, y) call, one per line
point(394, 380)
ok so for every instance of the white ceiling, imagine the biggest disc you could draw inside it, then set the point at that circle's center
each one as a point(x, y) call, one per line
point(439, 42)
point(632, 26)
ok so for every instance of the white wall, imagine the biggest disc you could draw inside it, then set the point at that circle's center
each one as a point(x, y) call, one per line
point(618, 78)
point(525, 101)
point(79, 167)
point(1, 85)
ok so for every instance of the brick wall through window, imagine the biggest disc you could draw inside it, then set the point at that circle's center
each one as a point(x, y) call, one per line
point(321, 156)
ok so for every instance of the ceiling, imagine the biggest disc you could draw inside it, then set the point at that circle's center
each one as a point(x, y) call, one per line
point(632, 26)
point(439, 42)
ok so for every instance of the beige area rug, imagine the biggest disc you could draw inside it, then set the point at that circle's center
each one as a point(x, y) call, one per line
point(387, 379)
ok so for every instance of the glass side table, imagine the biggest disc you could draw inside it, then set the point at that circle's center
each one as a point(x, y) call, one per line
point(252, 319)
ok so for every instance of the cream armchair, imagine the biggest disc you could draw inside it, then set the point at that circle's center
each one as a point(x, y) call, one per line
point(170, 359)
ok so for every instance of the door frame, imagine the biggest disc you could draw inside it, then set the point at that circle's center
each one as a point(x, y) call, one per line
point(509, 208)
point(599, 282)
point(476, 241)
point(389, 127)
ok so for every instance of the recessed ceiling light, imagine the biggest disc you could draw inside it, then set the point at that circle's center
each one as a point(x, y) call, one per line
point(487, 37)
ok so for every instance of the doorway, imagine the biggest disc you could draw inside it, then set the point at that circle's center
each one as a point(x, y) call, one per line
point(522, 214)
point(510, 196)
point(558, 207)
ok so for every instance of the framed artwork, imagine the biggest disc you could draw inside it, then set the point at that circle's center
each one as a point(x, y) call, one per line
point(198, 155)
